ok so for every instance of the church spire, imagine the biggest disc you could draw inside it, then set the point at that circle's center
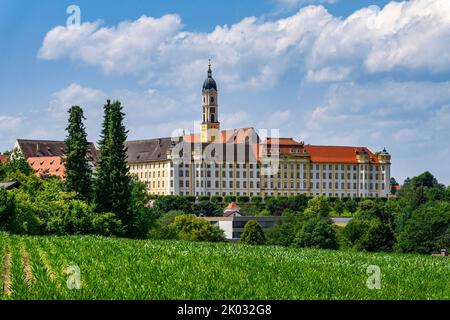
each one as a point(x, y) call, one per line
point(210, 116)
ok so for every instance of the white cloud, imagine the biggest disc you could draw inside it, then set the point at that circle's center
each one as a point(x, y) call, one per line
point(9, 127)
point(409, 118)
point(344, 63)
point(290, 4)
point(87, 98)
point(128, 47)
point(9, 123)
point(257, 53)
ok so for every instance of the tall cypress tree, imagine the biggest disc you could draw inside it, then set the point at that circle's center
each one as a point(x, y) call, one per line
point(103, 182)
point(78, 173)
point(113, 191)
point(119, 175)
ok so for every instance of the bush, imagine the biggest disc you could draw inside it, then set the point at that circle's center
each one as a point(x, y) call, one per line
point(171, 203)
point(107, 225)
point(7, 209)
point(253, 234)
point(276, 205)
point(229, 199)
point(216, 199)
point(318, 207)
point(141, 217)
point(317, 233)
point(282, 234)
point(258, 199)
point(243, 199)
point(355, 230)
point(427, 229)
point(190, 228)
point(161, 230)
point(204, 198)
point(379, 236)
point(207, 209)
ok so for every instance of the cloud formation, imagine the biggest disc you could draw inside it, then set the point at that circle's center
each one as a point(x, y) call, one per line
point(374, 78)
point(258, 53)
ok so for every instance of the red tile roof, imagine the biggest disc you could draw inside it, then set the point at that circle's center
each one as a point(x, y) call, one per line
point(47, 166)
point(233, 206)
point(3, 159)
point(334, 154)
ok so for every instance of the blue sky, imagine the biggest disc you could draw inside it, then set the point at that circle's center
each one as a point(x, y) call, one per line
point(331, 72)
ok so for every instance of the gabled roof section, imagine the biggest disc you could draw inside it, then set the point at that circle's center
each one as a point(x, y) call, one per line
point(148, 150)
point(50, 148)
point(43, 166)
point(338, 154)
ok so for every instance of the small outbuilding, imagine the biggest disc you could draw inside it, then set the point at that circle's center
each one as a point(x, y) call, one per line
point(232, 210)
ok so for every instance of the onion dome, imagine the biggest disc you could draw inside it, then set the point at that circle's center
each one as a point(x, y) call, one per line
point(209, 83)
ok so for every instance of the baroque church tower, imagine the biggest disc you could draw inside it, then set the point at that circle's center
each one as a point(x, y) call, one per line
point(210, 125)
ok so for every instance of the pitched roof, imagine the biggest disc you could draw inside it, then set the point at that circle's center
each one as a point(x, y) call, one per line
point(49, 148)
point(148, 150)
point(9, 185)
point(227, 136)
point(232, 206)
point(338, 154)
point(3, 159)
point(47, 166)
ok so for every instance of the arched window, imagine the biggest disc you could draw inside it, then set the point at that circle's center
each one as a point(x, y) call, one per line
point(212, 99)
point(213, 118)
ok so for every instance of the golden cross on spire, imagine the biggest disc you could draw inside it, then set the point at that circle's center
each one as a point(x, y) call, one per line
point(209, 65)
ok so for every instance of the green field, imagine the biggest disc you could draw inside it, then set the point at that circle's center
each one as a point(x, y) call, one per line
point(34, 268)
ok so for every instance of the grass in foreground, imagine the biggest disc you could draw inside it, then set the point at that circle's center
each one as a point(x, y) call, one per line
point(37, 268)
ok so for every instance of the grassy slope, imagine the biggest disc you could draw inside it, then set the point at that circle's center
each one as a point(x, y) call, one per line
point(128, 269)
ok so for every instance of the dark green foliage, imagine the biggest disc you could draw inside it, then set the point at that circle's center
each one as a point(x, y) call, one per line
point(276, 205)
point(318, 207)
point(355, 230)
point(103, 187)
point(161, 229)
point(106, 224)
point(78, 173)
point(119, 176)
point(16, 165)
point(216, 199)
point(256, 199)
point(229, 199)
point(207, 209)
point(142, 216)
point(7, 209)
point(316, 232)
point(281, 234)
point(420, 190)
point(351, 206)
point(338, 207)
point(204, 198)
point(171, 203)
point(243, 199)
point(427, 230)
point(112, 192)
point(253, 234)
point(379, 236)
point(190, 228)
